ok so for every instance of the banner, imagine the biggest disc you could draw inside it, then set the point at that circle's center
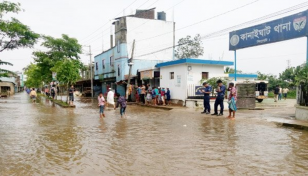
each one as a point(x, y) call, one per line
point(290, 27)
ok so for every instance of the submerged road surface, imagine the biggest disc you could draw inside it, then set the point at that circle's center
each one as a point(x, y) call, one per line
point(45, 139)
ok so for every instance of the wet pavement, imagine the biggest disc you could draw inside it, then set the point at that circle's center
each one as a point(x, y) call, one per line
point(45, 139)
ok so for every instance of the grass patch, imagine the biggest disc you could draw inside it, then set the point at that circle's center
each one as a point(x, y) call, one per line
point(291, 94)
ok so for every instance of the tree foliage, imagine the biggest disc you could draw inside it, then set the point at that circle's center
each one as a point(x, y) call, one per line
point(34, 77)
point(231, 70)
point(67, 71)
point(58, 49)
point(13, 33)
point(189, 47)
point(6, 7)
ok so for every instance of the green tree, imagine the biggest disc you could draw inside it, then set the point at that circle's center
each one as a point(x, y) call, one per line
point(67, 72)
point(231, 70)
point(13, 33)
point(34, 77)
point(213, 82)
point(189, 47)
point(58, 49)
point(262, 76)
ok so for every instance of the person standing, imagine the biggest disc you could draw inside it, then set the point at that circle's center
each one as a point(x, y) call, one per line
point(163, 98)
point(276, 93)
point(101, 104)
point(53, 91)
point(71, 95)
point(221, 89)
point(149, 95)
point(130, 90)
point(285, 93)
point(280, 93)
point(142, 96)
point(46, 91)
point(122, 103)
point(33, 95)
point(110, 98)
point(232, 101)
point(206, 99)
point(168, 96)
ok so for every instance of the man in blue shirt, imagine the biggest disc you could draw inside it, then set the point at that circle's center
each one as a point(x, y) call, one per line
point(221, 89)
point(206, 99)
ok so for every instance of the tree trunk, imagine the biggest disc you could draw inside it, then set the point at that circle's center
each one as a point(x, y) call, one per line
point(67, 94)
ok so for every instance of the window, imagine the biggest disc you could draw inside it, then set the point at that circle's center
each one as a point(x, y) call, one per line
point(171, 75)
point(103, 63)
point(96, 66)
point(205, 75)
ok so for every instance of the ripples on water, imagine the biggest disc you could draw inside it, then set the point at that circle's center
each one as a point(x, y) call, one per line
point(43, 139)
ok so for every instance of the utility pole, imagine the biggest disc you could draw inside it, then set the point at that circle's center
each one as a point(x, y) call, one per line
point(130, 64)
point(289, 63)
point(91, 70)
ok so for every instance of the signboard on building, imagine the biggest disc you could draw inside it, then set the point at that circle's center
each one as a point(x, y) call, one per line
point(148, 74)
point(290, 27)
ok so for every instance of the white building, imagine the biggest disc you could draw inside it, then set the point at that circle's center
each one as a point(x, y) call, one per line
point(182, 76)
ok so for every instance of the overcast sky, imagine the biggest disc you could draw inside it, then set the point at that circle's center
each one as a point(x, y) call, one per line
point(89, 20)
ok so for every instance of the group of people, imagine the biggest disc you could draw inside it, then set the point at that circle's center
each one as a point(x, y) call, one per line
point(279, 92)
point(52, 92)
point(121, 102)
point(152, 95)
point(220, 90)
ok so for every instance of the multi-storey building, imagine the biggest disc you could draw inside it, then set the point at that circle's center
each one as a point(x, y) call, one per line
point(152, 37)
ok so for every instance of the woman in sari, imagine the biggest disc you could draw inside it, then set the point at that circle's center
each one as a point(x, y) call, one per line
point(232, 101)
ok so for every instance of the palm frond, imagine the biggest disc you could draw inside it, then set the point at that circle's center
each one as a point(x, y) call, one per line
point(5, 63)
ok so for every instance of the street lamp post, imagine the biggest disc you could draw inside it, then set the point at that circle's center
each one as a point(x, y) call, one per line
point(91, 69)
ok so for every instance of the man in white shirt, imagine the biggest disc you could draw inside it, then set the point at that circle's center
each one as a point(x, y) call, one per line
point(110, 98)
point(285, 93)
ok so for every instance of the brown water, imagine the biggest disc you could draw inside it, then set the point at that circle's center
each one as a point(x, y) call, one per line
point(44, 139)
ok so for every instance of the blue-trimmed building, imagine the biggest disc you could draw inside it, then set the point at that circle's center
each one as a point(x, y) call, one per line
point(111, 67)
point(182, 76)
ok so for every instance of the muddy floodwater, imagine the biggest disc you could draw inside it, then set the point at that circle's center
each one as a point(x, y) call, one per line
point(45, 139)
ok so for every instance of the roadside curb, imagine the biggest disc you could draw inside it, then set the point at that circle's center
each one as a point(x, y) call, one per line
point(297, 124)
point(58, 102)
point(150, 106)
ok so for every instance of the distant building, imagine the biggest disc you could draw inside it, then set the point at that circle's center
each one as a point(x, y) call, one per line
point(183, 76)
point(150, 35)
point(7, 86)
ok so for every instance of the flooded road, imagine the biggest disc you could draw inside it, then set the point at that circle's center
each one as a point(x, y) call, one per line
point(44, 139)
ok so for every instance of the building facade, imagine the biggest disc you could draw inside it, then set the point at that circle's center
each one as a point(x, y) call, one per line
point(182, 76)
point(150, 36)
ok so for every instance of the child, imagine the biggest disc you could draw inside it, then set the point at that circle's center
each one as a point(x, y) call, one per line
point(122, 102)
point(232, 101)
point(101, 104)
